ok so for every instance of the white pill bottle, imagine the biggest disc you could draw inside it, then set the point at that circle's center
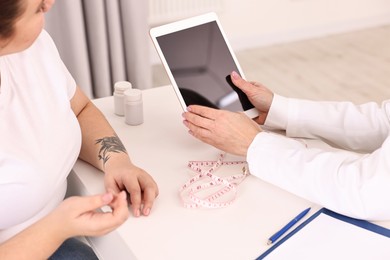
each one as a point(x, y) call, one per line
point(119, 98)
point(134, 114)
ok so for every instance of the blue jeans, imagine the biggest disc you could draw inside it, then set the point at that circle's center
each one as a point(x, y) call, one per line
point(74, 249)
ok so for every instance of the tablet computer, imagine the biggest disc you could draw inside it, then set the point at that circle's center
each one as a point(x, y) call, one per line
point(198, 60)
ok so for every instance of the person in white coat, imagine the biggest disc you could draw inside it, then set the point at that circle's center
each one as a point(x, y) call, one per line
point(353, 179)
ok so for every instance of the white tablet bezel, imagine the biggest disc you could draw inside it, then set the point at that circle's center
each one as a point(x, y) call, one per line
point(185, 24)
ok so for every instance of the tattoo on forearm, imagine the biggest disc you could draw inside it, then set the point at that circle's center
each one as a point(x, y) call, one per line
point(111, 144)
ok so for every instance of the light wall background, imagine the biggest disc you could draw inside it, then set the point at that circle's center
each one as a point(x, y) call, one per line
point(104, 41)
point(254, 23)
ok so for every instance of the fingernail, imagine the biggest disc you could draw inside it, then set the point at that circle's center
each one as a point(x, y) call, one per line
point(137, 213)
point(146, 211)
point(107, 197)
point(123, 195)
point(189, 109)
point(235, 75)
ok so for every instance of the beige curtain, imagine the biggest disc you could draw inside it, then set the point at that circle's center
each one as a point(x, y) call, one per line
point(102, 41)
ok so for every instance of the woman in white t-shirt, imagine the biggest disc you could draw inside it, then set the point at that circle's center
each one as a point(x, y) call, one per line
point(46, 123)
point(352, 179)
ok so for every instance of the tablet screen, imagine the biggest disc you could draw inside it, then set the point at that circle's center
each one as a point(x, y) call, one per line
point(200, 62)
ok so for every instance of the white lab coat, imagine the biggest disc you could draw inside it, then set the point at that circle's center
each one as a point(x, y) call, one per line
point(354, 180)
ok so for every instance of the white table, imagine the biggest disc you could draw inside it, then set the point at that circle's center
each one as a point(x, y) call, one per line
point(162, 146)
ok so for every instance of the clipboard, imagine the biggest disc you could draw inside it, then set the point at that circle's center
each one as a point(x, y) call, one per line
point(306, 242)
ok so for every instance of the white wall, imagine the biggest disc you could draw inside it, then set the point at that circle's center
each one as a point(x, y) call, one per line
point(252, 23)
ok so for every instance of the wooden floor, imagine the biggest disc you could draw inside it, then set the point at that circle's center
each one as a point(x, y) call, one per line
point(352, 66)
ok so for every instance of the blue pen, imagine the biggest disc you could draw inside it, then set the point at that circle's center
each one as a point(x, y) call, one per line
point(287, 227)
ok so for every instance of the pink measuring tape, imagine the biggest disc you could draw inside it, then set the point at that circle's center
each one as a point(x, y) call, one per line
point(218, 187)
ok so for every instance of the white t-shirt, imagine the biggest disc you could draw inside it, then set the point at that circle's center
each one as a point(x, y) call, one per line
point(355, 183)
point(40, 136)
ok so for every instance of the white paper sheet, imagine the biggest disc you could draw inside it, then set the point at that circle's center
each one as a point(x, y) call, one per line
point(326, 237)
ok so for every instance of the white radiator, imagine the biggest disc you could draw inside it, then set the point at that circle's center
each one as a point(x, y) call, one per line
point(163, 11)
